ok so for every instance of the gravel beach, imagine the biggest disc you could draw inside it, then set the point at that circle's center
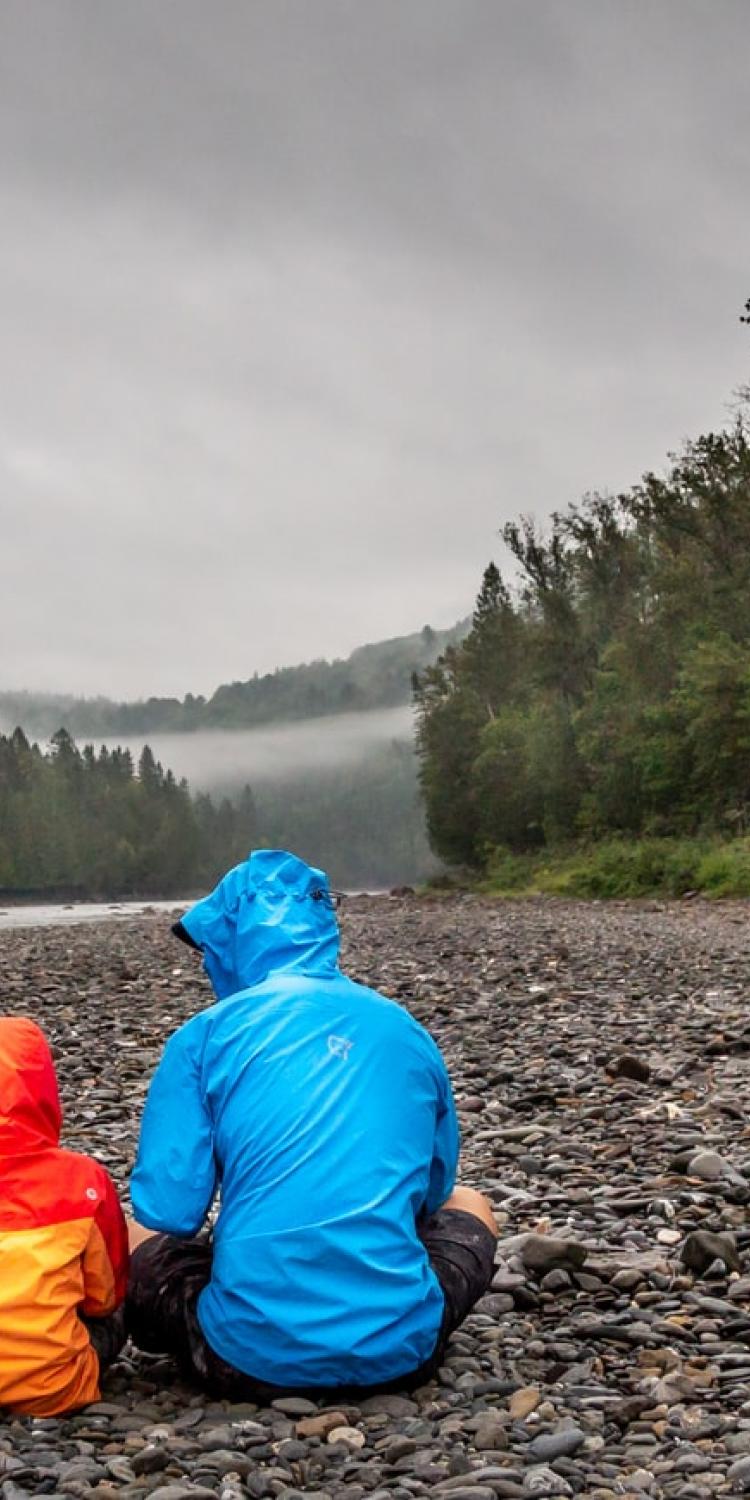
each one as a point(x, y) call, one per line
point(601, 1063)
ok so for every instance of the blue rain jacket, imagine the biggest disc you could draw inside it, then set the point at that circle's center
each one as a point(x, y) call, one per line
point(323, 1114)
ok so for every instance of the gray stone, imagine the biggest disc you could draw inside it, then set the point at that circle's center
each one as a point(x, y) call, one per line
point(556, 1281)
point(544, 1481)
point(738, 1475)
point(629, 1066)
point(464, 1491)
point(491, 1432)
point(150, 1460)
point(708, 1165)
point(399, 1448)
point(391, 1404)
point(294, 1406)
point(182, 1492)
point(738, 1442)
point(551, 1445)
point(542, 1253)
point(701, 1248)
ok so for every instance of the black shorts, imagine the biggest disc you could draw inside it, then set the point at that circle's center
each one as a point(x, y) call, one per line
point(167, 1276)
point(107, 1336)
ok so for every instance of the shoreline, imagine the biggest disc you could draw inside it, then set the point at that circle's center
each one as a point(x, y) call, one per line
point(600, 1061)
point(600, 1058)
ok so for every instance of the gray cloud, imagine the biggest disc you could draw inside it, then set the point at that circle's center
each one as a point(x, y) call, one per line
point(301, 300)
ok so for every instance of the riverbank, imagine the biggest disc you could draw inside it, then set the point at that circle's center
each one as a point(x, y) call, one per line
point(600, 1057)
point(624, 868)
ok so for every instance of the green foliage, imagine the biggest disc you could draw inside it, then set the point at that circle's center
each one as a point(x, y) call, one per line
point(725, 870)
point(448, 738)
point(362, 823)
point(508, 796)
point(508, 874)
point(86, 824)
point(618, 867)
point(610, 694)
point(624, 869)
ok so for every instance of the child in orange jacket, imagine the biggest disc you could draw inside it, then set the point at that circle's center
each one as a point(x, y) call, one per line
point(63, 1242)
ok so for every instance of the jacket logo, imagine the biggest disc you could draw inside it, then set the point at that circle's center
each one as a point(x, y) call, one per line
point(339, 1046)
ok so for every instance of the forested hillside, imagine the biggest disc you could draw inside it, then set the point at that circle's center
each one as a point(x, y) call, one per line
point(88, 825)
point(106, 823)
point(607, 692)
point(374, 676)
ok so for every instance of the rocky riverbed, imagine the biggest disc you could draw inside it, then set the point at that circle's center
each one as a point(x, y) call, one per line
point(601, 1062)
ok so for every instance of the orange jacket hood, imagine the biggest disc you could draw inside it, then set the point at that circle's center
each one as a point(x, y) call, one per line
point(30, 1114)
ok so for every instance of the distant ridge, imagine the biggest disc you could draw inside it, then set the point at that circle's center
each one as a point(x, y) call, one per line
point(377, 675)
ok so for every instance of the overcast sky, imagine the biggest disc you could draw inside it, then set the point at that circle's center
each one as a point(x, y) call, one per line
point(300, 299)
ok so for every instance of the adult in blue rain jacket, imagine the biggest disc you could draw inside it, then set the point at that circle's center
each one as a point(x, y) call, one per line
point(321, 1113)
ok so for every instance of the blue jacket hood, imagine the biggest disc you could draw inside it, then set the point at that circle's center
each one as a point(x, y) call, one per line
point(271, 913)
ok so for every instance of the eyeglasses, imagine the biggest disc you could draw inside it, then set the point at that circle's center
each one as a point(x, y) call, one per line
point(332, 899)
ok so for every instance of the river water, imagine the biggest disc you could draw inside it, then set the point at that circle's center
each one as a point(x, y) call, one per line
point(76, 913)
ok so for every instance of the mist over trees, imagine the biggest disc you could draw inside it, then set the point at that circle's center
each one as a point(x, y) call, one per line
point(374, 676)
point(76, 822)
point(100, 825)
point(362, 822)
point(609, 692)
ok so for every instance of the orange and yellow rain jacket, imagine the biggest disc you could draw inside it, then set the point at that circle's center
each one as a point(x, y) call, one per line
point(63, 1239)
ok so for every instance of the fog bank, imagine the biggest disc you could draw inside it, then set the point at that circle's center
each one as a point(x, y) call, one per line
point(218, 759)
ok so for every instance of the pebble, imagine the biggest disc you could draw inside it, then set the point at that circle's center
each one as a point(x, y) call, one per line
point(702, 1248)
point(349, 1435)
point(610, 1357)
point(707, 1164)
point(524, 1401)
point(465, 1492)
point(551, 1445)
point(543, 1481)
point(738, 1475)
point(321, 1424)
point(628, 1066)
point(182, 1492)
point(490, 1431)
point(544, 1254)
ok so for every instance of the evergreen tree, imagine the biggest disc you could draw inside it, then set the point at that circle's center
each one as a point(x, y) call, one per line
point(84, 823)
point(612, 693)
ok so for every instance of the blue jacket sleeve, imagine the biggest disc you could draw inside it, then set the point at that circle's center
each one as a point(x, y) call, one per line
point(446, 1146)
point(174, 1178)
